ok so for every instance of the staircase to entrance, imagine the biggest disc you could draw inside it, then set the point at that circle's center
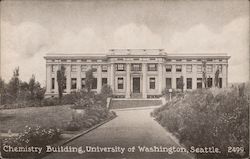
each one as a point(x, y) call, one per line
point(119, 103)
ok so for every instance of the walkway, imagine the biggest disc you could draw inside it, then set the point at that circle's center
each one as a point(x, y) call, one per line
point(130, 128)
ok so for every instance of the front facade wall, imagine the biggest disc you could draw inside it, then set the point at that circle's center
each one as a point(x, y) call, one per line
point(137, 76)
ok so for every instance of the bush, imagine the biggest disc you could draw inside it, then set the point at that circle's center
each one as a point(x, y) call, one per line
point(50, 101)
point(32, 136)
point(205, 118)
point(73, 126)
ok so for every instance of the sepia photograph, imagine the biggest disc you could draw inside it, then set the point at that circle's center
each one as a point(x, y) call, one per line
point(124, 79)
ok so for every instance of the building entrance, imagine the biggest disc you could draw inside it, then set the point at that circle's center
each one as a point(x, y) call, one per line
point(136, 84)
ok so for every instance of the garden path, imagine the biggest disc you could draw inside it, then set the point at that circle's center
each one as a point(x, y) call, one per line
point(130, 128)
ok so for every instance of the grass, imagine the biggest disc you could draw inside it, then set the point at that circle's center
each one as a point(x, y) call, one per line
point(16, 119)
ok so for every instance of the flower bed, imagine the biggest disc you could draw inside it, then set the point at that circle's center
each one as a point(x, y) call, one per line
point(31, 137)
point(206, 118)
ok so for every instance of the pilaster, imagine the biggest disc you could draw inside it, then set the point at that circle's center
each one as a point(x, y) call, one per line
point(144, 80)
point(99, 78)
point(112, 84)
point(78, 84)
point(48, 78)
point(173, 77)
point(184, 71)
point(224, 75)
point(160, 78)
point(128, 81)
point(56, 84)
point(194, 76)
point(68, 78)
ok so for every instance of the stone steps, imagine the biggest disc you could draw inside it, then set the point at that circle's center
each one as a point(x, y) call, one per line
point(133, 103)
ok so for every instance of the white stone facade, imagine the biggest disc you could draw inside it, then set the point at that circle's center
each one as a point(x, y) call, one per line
point(137, 73)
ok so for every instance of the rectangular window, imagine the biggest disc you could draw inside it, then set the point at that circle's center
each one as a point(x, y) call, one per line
point(178, 68)
point(83, 83)
point(168, 68)
point(168, 83)
point(189, 68)
point(94, 84)
point(199, 82)
point(73, 83)
point(152, 83)
point(94, 67)
point(199, 68)
point(152, 67)
point(120, 67)
point(53, 68)
point(209, 68)
point(73, 68)
point(104, 68)
point(53, 83)
point(84, 68)
point(189, 83)
point(104, 81)
point(136, 67)
point(120, 83)
point(209, 82)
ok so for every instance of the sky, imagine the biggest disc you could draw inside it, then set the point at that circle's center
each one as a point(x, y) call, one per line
point(32, 28)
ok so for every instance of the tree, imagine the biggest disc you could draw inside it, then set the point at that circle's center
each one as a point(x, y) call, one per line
point(32, 84)
point(40, 94)
point(204, 73)
point(180, 83)
point(89, 79)
point(14, 84)
point(216, 79)
point(2, 91)
point(61, 81)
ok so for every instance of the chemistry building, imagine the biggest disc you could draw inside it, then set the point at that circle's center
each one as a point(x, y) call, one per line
point(137, 73)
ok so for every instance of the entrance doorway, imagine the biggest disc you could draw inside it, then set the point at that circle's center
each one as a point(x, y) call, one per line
point(136, 84)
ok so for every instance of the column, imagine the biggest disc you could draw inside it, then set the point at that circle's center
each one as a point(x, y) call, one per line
point(99, 78)
point(78, 79)
point(144, 80)
point(183, 69)
point(112, 85)
point(48, 78)
point(128, 81)
point(194, 76)
point(224, 75)
point(159, 78)
point(68, 78)
point(173, 77)
point(163, 76)
point(56, 84)
point(213, 76)
point(227, 75)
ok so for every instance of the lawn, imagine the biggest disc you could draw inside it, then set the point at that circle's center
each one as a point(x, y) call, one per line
point(16, 119)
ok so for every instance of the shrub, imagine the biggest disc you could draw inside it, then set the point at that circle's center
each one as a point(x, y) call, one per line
point(204, 118)
point(73, 126)
point(50, 101)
